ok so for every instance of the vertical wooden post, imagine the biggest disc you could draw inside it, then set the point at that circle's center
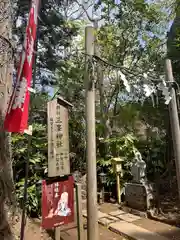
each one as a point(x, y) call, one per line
point(57, 233)
point(92, 217)
point(174, 120)
point(102, 194)
point(79, 212)
point(118, 188)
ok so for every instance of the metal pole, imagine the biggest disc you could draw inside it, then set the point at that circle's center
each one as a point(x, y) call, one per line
point(92, 217)
point(174, 121)
point(79, 212)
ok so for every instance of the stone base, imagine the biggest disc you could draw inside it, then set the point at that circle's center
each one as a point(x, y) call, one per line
point(140, 196)
point(134, 211)
point(136, 196)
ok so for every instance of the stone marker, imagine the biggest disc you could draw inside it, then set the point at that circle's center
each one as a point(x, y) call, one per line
point(139, 192)
point(135, 196)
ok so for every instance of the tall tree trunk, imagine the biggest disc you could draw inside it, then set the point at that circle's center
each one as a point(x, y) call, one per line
point(6, 54)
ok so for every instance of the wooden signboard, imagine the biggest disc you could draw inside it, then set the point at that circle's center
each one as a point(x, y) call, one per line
point(57, 203)
point(58, 138)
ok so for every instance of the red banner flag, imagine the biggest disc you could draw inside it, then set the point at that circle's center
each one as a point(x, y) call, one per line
point(57, 203)
point(16, 119)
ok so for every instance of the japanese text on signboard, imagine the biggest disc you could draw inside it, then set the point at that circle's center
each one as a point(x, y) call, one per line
point(58, 140)
point(57, 203)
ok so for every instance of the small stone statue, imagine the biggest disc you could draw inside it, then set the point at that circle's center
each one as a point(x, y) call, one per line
point(138, 169)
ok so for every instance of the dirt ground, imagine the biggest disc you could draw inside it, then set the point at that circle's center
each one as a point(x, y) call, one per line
point(170, 206)
point(34, 232)
point(104, 234)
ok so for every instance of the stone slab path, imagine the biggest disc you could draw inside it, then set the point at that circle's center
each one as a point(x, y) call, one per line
point(134, 232)
point(170, 232)
point(135, 227)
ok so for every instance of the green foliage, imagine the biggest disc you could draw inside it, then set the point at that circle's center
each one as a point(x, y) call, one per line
point(122, 146)
point(153, 151)
point(55, 33)
point(37, 156)
point(118, 146)
point(33, 204)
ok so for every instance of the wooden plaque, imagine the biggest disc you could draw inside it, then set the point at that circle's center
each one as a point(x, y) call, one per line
point(58, 140)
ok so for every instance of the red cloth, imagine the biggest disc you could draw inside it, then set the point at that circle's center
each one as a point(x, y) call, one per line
point(57, 203)
point(16, 119)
